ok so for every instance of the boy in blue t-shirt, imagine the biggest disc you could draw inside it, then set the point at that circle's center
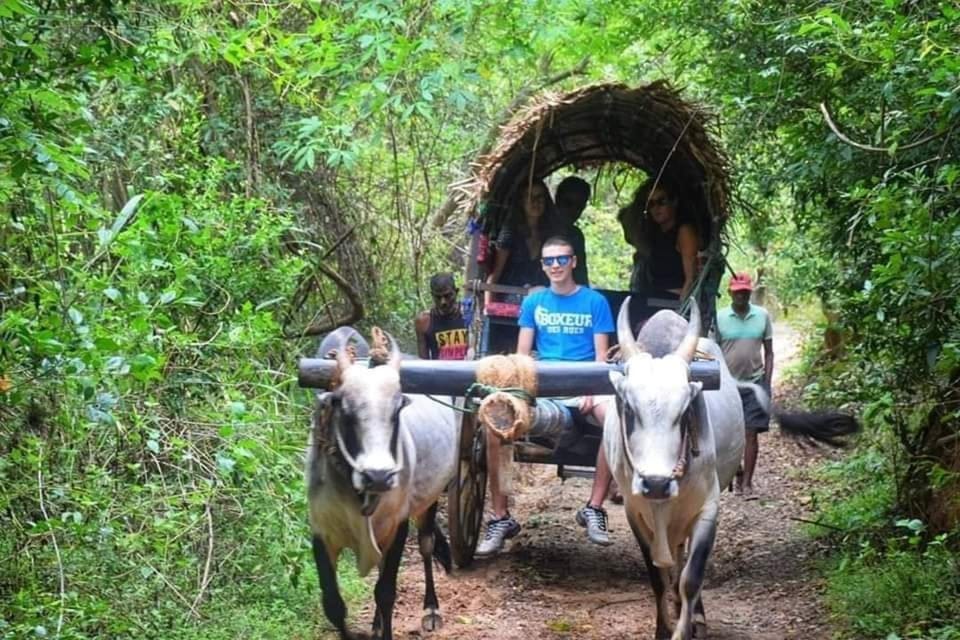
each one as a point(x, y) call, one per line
point(565, 322)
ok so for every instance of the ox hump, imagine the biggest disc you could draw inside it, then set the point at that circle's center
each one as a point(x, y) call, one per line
point(662, 333)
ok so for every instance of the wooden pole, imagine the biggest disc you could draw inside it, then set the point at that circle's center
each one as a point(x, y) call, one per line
point(452, 377)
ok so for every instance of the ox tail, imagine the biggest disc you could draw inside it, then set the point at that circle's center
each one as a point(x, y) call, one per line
point(829, 427)
point(763, 398)
point(441, 550)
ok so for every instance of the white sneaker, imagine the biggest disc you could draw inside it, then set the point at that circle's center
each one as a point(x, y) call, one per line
point(498, 532)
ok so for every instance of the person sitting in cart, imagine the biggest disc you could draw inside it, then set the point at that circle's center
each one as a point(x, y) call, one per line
point(573, 193)
point(564, 322)
point(441, 330)
point(516, 259)
point(665, 238)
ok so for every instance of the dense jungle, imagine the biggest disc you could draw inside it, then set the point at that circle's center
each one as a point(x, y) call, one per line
point(192, 191)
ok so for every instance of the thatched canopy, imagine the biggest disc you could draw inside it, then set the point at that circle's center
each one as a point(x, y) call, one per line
point(651, 127)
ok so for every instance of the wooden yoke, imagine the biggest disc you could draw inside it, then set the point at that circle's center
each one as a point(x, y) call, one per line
point(452, 377)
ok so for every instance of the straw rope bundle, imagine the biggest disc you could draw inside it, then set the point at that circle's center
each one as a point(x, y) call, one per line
point(507, 414)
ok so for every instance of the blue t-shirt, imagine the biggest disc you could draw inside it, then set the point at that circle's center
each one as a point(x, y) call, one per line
point(565, 325)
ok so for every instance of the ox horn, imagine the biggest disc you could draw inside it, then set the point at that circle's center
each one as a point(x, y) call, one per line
point(688, 348)
point(628, 344)
point(387, 351)
point(344, 359)
point(394, 352)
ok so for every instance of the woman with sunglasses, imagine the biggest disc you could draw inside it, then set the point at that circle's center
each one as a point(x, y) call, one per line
point(517, 247)
point(665, 239)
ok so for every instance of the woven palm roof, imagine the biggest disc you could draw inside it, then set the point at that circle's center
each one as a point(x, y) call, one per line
point(651, 127)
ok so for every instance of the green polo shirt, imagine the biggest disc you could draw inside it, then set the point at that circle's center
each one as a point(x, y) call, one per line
point(741, 340)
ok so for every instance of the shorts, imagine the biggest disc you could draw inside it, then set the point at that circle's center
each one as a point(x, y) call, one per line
point(559, 421)
point(755, 418)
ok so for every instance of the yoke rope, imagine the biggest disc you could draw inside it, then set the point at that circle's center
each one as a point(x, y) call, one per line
point(503, 396)
point(479, 390)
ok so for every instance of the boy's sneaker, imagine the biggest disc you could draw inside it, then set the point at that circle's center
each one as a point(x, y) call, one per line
point(498, 532)
point(595, 520)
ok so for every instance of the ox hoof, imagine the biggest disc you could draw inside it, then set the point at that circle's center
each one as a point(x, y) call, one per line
point(431, 621)
point(700, 629)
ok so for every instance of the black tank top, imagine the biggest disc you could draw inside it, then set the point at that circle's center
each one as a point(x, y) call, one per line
point(446, 337)
point(666, 265)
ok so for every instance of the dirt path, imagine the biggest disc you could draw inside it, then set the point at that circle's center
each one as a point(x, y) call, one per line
point(551, 583)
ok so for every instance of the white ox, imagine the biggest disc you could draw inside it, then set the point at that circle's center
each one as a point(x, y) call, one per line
point(672, 447)
point(377, 458)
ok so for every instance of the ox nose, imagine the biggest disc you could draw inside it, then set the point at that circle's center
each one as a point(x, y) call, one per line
point(379, 480)
point(656, 487)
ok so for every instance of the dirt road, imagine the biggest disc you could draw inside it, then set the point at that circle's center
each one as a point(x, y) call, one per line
point(551, 583)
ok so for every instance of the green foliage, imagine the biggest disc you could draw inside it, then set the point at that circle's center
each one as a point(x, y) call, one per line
point(889, 577)
point(898, 590)
point(609, 256)
point(173, 175)
point(858, 501)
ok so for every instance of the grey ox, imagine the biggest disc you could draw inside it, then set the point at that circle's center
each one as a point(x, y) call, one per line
point(377, 458)
point(672, 447)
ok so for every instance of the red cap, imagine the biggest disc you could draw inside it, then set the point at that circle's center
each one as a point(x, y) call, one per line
point(741, 282)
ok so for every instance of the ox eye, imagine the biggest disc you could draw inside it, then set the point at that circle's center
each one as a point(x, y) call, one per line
point(347, 426)
point(630, 421)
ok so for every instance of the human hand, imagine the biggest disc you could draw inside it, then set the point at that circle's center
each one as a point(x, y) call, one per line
point(586, 404)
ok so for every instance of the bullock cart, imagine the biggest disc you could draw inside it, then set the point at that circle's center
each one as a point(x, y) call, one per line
point(650, 128)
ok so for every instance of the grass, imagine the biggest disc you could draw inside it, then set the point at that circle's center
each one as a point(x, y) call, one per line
point(277, 611)
point(897, 592)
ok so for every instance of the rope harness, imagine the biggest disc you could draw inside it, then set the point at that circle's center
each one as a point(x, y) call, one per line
point(478, 391)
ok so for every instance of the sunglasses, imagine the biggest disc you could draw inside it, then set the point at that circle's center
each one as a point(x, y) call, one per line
point(549, 261)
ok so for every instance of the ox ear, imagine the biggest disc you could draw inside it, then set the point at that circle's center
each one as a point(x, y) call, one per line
point(617, 379)
point(695, 389)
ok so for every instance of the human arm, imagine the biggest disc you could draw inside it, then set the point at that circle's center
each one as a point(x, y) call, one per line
point(500, 257)
point(687, 247)
point(420, 325)
point(768, 361)
point(601, 344)
point(602, 328)
point(527, 321)
point(525, 341)
point(768, 352)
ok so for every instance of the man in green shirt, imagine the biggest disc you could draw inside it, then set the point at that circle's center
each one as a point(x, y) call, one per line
point(745, 335)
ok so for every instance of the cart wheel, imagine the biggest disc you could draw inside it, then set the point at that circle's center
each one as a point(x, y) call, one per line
point(466, 495)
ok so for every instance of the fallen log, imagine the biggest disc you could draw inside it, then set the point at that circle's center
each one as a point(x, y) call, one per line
point(452, 377)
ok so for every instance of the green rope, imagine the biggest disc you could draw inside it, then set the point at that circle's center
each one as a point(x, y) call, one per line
point(480, 390)
point(483, 390)
point(698, 284)
point(452, 406)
